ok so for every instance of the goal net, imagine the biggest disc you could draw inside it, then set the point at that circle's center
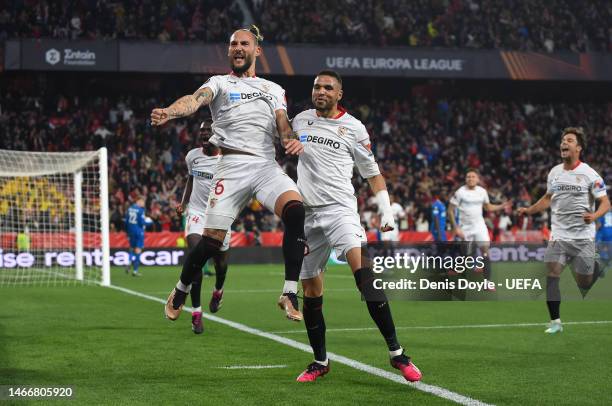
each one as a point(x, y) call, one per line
point(54, 218)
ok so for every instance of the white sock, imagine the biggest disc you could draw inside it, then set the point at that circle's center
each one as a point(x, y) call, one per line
point(325, 363)
point(290, 287)
point(556, 321)
point(181, 286)
point(197, 310)
point(396, 352)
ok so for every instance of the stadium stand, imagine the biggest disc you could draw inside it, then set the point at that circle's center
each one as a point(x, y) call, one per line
point(420, 143)
point(522, 25)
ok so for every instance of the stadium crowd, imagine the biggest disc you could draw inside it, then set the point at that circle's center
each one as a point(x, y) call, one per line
point(521, 25)
point(423, 145)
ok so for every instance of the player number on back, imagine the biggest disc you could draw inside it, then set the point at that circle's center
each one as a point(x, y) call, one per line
point(219, 188)
point(132, 217)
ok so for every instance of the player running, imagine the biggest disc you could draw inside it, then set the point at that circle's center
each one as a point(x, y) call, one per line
point(135, 224)
point(247, 112)
point(202, 165)
point(334, 142)
point(470, 199)
point(572, 188)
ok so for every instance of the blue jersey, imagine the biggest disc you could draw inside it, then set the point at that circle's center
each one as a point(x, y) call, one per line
point(605, 227)
point(438, 211)
point(135, 220)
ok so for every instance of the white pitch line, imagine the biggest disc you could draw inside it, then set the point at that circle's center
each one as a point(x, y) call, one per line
point(269, 291)
point(450, 327)
point(253, 367)
point(431, 389)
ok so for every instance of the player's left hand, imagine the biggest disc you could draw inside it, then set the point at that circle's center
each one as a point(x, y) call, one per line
point(294, 147)
point(387, 222)
point(588, 217)
point(179, 209)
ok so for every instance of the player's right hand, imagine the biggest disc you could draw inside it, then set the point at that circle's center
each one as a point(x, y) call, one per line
point(459, 232)
point(522, 211)
point(294, 147)
point(159, 117)
point(180, 209)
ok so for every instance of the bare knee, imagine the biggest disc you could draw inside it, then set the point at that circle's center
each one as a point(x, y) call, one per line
point(313, 287)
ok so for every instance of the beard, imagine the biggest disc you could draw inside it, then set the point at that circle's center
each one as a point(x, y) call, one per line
point(239, 70)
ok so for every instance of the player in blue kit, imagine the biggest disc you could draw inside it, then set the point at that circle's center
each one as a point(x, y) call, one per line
point(604, 240)
point(135, 224)
point(438, 218)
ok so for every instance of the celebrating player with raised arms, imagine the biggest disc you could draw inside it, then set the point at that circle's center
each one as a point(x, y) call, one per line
point(470, 199)
point(572, 189)
point(202, 165)
point(248, 112)
point(334, 142)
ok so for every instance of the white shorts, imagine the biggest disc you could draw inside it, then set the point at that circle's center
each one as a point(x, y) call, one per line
point(195, 225)
point(327, 228)
point(478, 234)
point(392, 235)
point(239, 178)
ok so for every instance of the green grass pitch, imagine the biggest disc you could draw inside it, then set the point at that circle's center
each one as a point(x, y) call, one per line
point(115, 348)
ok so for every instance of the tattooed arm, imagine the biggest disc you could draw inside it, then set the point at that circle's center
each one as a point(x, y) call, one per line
point(184, 106)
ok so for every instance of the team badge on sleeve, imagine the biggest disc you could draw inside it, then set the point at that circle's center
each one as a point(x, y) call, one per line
point(599, 185)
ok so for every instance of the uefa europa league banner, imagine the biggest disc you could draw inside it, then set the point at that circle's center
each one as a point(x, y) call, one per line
point(199, 58)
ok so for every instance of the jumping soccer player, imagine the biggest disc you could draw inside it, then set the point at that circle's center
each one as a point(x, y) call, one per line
point(335, 142)
point(572, 188)
point(135, 224)
point(470, 199)
point(202, 165)
point(247, 112)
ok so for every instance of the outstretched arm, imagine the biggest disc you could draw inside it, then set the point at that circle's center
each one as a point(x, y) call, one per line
point(185, 106)
point(540, 205)
point(497, 207)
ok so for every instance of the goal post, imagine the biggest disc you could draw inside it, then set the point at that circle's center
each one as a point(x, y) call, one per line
point(54, 218)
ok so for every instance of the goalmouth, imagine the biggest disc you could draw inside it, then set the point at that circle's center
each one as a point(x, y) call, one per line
point(54, 218)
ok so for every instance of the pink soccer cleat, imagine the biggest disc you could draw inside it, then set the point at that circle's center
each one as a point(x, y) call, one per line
point(410, 372)
point(312, 372)
point(216, 301)
point(196, 323)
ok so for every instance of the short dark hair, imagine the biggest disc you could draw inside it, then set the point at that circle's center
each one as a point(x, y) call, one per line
point(331, 73)
point(472, 170)
point(578, 132)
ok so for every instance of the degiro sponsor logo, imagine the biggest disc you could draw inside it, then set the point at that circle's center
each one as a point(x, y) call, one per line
point(235, 96)
point(72, 57)
point(320, 140)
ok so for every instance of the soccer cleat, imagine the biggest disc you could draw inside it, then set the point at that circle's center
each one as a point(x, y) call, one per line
point(216, 301)
point(554, 327)
point(136, 274)
point(289, 303)
point(313, 371)
point(410, 372)
point(172, 312)
point(196, 323)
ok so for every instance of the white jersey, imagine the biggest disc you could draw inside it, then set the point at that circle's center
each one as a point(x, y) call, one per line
point(470, 202)
point(202, 167)
point(243, 113)
point(332, 147)
point(573, 194)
